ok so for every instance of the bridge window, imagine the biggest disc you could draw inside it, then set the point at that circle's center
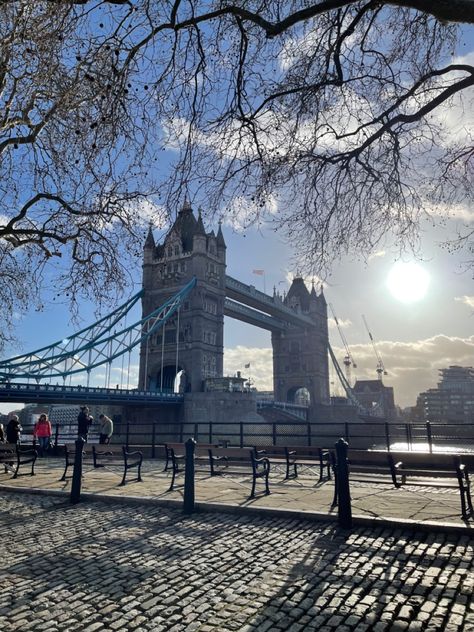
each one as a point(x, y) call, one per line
point(209, 337)
point(170, 251)
point(210, 306)
point(182, 266)
point(176, 250)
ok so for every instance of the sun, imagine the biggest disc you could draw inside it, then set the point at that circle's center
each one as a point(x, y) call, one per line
point(408, 282)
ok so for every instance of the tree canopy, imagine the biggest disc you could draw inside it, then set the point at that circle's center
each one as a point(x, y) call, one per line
point(339, 121)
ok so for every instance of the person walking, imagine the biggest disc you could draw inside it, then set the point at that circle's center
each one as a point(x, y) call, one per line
point(42, 432)
point(14, 430)
point(106, 429)
point(84, 422)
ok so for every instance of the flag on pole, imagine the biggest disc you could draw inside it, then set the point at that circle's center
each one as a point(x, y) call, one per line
point(247, 366)
point(259, 272)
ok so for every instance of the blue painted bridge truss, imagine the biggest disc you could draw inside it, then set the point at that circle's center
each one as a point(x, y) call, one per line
point(99, 344)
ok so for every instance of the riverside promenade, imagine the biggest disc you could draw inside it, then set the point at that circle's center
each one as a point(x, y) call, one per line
point(126, 558)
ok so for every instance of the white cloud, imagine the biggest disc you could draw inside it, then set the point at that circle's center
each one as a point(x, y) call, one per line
point(375, 255)
point(243, 212)
point(261, 365)
point(467, 300)
point(412, 367)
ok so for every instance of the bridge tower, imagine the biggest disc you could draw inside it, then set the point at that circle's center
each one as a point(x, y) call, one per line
point(300, 355)
point(193, 341)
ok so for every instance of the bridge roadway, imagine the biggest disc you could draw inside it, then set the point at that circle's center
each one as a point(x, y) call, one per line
point(56, 393)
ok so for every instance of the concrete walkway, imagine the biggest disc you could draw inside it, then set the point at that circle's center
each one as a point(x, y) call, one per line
point(372, 503)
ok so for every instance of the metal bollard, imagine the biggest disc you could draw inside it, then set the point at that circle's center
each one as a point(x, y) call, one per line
point(188, 502)
point(77, 472)
point(56, 439)
point(344, 509)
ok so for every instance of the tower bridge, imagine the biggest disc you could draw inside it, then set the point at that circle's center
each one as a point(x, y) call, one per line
point(185, 295)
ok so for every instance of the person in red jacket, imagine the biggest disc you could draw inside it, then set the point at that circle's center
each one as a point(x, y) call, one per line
point(42, 432)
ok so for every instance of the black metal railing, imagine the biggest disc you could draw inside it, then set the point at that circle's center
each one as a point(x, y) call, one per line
point(385, 436)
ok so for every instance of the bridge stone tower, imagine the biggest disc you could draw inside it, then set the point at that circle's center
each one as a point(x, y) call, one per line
point(193, 340)
point(300, 354)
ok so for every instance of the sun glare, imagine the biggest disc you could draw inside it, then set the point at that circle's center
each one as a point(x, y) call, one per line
point(408, 282)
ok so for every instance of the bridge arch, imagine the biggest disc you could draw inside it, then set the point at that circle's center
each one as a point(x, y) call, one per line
point(299, 395)
point(168, 379)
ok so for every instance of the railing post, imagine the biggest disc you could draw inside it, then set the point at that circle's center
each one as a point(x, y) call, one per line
point(346, 430)
point(77, 472)
point(210, 432)
point(127, 436)
point(429, 436)
point(274, 433)
point(344, 510)
point(188, 501)
point(407, 435)
point(196, 432)
point(308, 430)
point(387, 436)
point(181, 430)
point(153, 439)
point(241, 434)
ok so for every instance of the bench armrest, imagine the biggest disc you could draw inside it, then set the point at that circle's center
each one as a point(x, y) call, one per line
point(135, 453)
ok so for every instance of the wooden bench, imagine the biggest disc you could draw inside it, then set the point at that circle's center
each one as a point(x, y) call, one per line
point(97, 456)
point(117, 456)
point(175, 454)
point(293, 457)
point(366, 465)
point(69, 450)
point(11, 454)
point(436, 469)
point(176, 458)
point(236, 461)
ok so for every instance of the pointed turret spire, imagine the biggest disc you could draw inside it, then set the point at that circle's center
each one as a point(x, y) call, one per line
point(321, 297)
point(150, 240)
point(200, 230)
point(220, 237)
point(186, 204)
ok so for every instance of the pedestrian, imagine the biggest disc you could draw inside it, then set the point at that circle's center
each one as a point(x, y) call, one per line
point(84, 422)
point(42, 432)
point(106, 429)
point(14, 430)
point(2, 434)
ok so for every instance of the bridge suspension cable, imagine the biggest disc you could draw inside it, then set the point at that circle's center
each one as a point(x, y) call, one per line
point(96, 345)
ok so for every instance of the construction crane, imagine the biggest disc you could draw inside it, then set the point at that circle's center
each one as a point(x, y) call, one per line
point(380, 365)
point(348, 359)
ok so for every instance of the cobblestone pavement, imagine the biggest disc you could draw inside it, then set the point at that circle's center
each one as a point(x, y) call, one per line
point(115, 566)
